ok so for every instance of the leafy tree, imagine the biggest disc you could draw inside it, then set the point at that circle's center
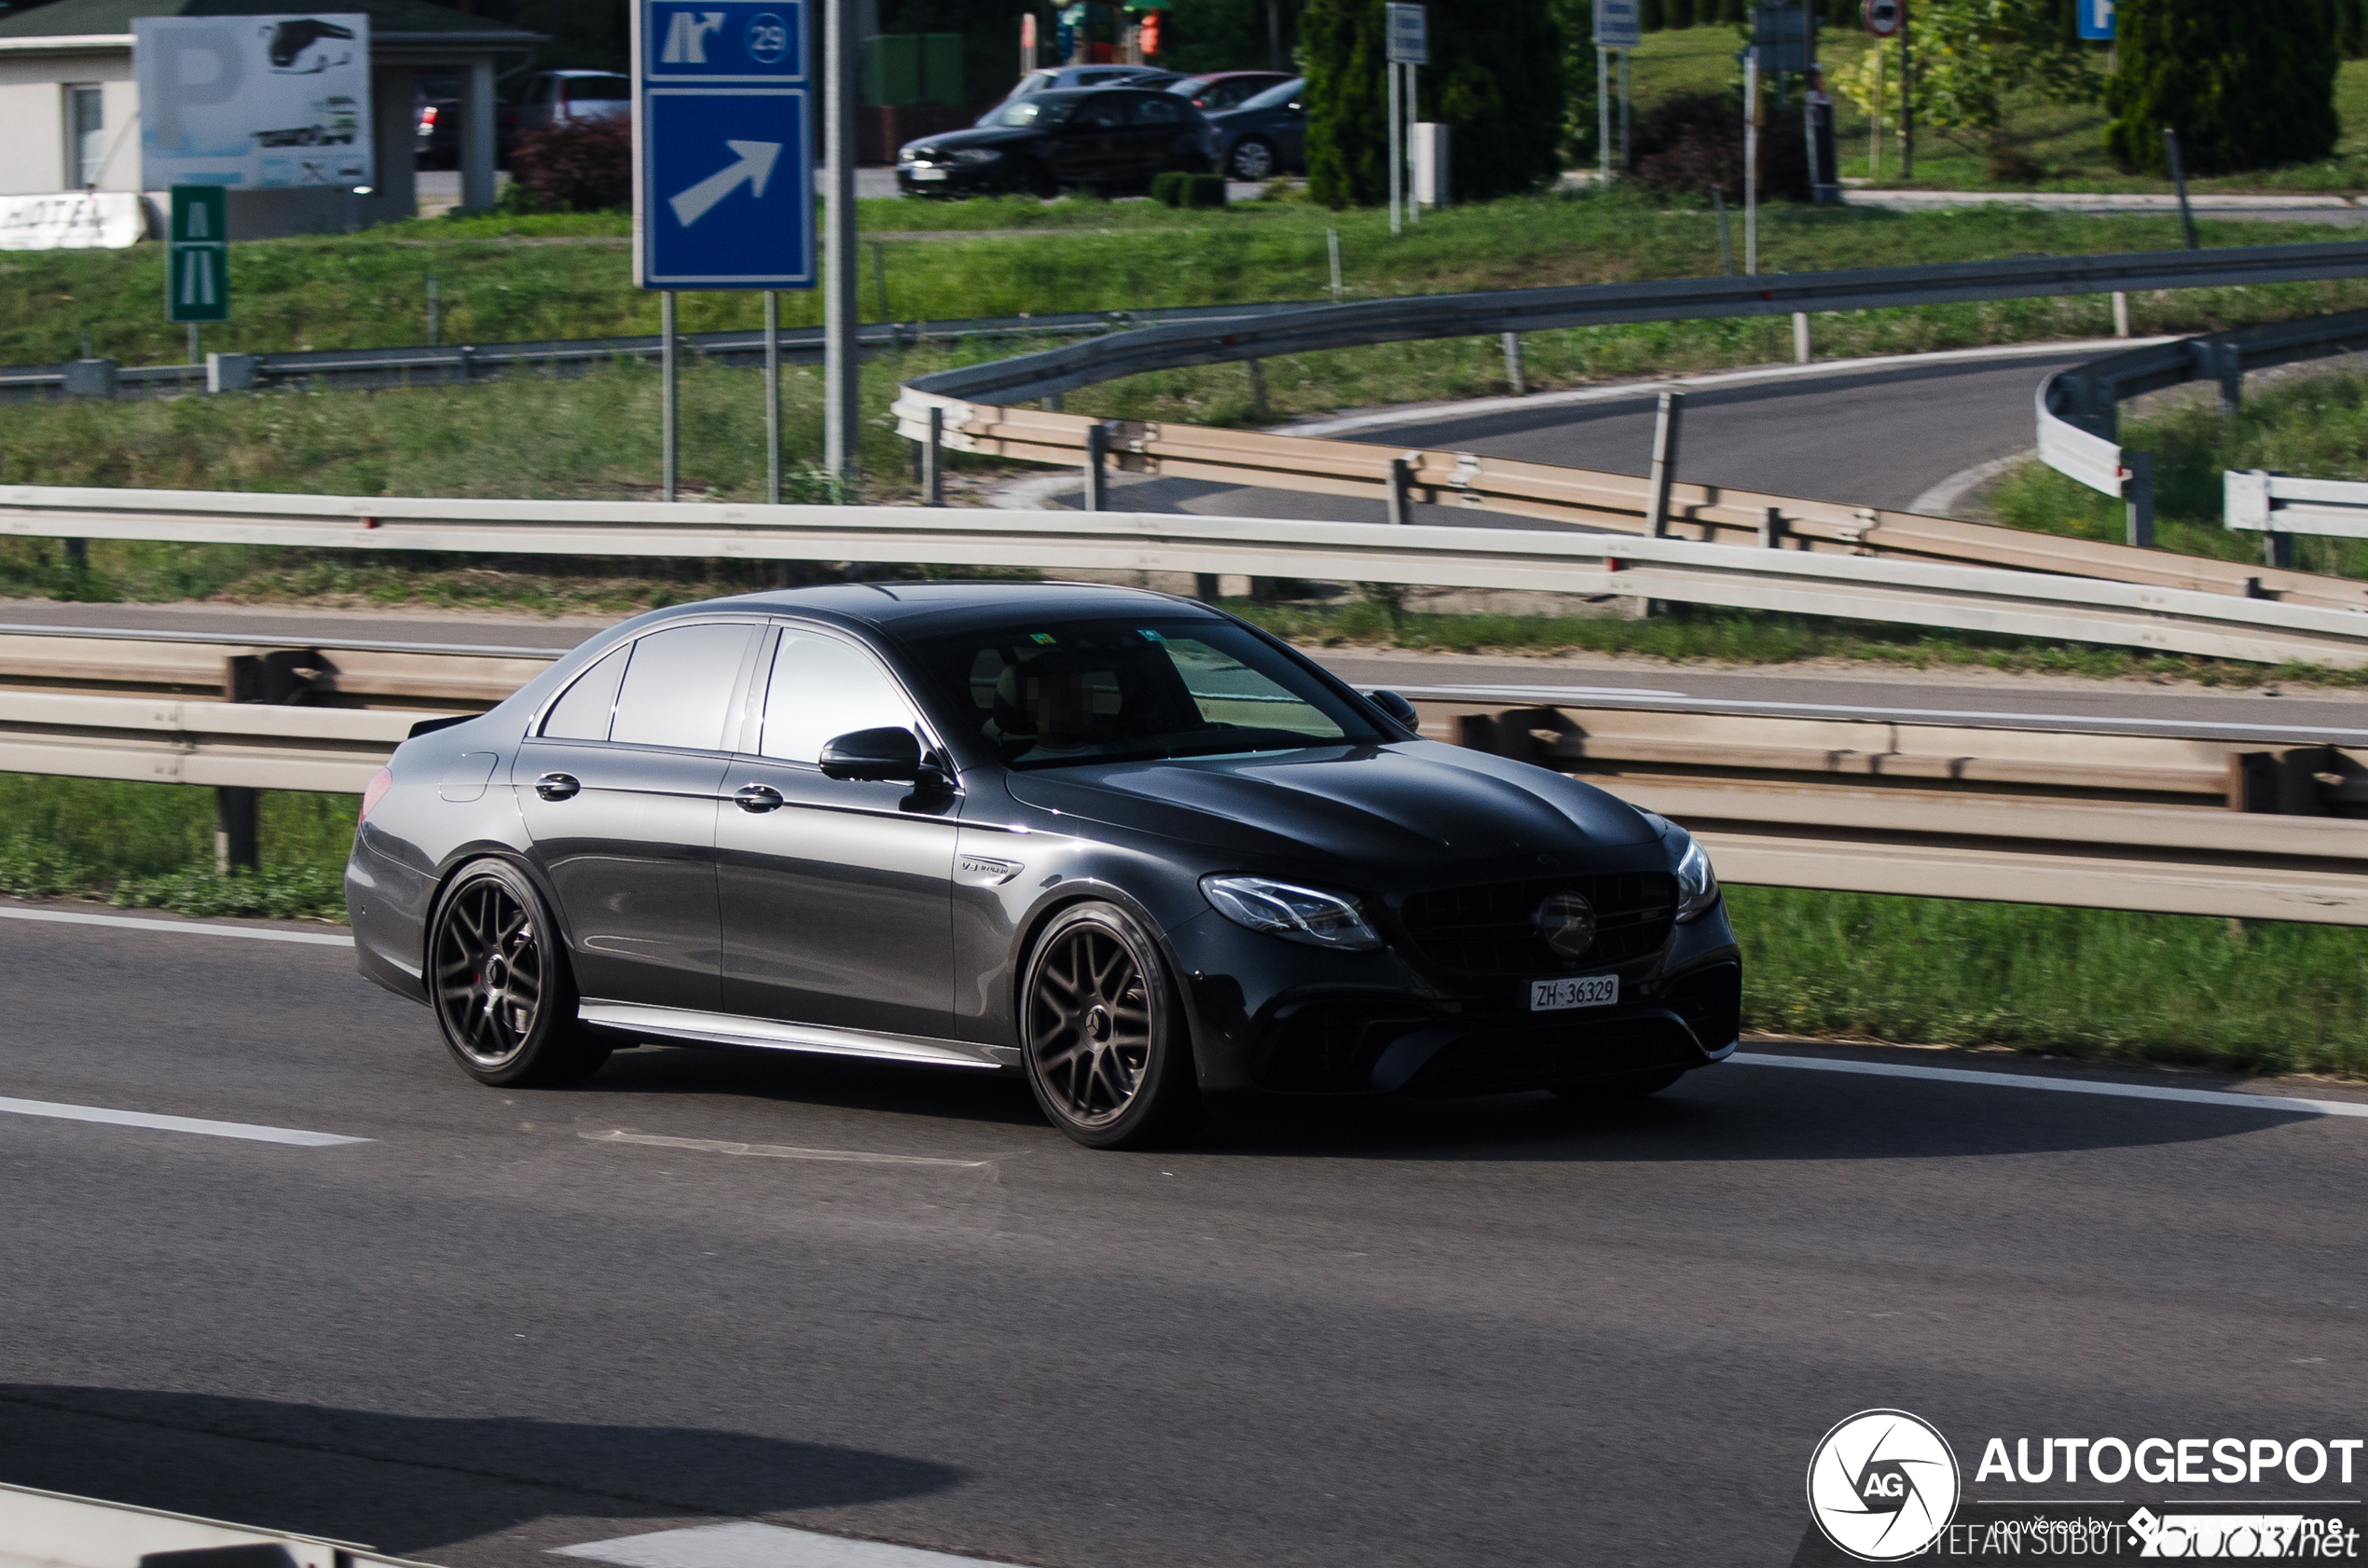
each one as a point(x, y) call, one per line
point(2247, 86)
point(1576, 20)
point(1496, 80)
point(1971, 54)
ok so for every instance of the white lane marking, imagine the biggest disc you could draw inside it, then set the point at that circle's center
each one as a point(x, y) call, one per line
point(249, 1131)
point(178, 928)
point(2273, 1103)
point(778, 1151)
point(749, 1545)
point(1942, 498)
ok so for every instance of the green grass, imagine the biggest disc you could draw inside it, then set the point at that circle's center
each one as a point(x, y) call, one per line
point(2315, 426)
point(2067, 142)
point(2242, 995)
point(144, 846)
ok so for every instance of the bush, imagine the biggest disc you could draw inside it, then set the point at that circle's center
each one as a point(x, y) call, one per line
point(1694, 141)
point(1177, 189)
point(583, 166)
point(2244, 85)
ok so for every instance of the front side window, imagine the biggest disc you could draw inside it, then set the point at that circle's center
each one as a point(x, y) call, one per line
point(1041, 113)
point(820, 689)
point(1056, 694)
point(678, 686)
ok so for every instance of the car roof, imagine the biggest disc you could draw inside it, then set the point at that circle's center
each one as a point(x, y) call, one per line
point(930, 608)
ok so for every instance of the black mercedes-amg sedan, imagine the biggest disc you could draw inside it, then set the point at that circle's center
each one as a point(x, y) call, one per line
point(1124, 844)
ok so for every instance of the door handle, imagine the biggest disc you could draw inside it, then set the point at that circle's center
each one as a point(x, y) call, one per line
point(757, 797)
point(557, 785)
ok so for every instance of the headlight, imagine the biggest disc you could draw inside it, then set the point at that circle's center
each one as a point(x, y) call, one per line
point(1697, 884)
point(1293, 912)
point(978, 154)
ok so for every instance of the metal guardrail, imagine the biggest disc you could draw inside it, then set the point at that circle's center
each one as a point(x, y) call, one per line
point(1467, 316)
point(52, 1529)
point(422, 366)
point(2280, 504)
point(2169, 816)
point(1901, 591)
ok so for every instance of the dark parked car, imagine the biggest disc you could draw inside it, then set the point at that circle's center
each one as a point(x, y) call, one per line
point(1213, 90)
point(1267, 135)
point(1124, 844)
point(1101, 138)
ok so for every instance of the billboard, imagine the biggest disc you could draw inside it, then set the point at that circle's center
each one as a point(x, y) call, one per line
point(259, 102)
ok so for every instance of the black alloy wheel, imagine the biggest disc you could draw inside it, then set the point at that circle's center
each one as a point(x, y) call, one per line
point(1107, 1053)
point(1252, 158)
point(500, 985)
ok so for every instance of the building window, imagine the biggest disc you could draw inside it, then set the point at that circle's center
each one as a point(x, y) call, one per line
point(86, 136)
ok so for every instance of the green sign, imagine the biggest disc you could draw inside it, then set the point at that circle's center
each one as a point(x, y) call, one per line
point(197, 276)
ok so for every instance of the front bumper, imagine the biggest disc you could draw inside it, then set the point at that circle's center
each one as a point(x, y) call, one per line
point(945, 179)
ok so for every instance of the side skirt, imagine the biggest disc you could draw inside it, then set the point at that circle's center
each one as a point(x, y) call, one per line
point(766, 1034)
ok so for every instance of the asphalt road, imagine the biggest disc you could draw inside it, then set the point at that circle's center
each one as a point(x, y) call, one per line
point(1503, 1332)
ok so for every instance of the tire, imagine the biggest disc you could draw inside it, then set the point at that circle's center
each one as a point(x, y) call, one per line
point(1103, 1035)
point(1605, 1090)
point(1252, 158)
point(499, 982)
point(1037, 182)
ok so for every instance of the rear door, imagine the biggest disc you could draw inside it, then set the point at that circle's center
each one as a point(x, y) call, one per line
point(1158, 136)
point(837, 894)
point(619, 789)
point(1086, 149)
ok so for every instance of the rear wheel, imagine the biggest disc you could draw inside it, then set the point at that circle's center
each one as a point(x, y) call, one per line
point(1252, 158)
point(1108, 1052)
point(499, 981)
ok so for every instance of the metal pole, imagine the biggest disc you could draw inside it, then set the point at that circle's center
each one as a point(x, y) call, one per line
point(1396, 155)
point(1259, 408)
point(1097, 445)
point(773, 396)
point(1665, 423)
point(933, 461)
point(2121, 315)
point(195, 357)
point(2179, 183)
point(1274, 34)
point(666, 392)
point(2139, 492)
point(1413, 117)
point(1751, 164)
point(1515, 376)
point(1800, 338)
point(435, 312)
point(1726, 244)
point(1907, 100)
point(1875, 120)
point(1332, 245)
point(1627, 148)
point(234, 828)
point(842, 367)
point(1604, 113)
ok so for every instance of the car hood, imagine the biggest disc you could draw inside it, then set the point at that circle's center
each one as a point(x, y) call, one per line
point(1399, 805)
point(977, 136)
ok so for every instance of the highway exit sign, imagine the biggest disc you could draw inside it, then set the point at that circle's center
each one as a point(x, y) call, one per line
point(197, 269)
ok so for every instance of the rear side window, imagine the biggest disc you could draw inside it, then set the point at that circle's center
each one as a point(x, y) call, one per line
point(678, 687)
point(1155, 109)
point(599, 90)
point(583, 713)
point(822, 689)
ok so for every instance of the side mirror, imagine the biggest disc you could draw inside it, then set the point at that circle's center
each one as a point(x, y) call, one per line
point(887, 754)
point(1395, 707)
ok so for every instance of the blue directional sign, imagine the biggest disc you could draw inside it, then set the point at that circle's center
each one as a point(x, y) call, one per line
point(723, 167)
point(2095, 19)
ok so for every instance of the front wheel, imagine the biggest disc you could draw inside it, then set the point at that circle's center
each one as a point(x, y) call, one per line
point(502, 990)
point(1108, 1052)
point(1252, 158)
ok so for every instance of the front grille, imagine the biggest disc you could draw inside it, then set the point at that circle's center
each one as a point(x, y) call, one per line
point(1492, 930)
point(1330, 1044)
point(1500, 1063)
point(1711, 1002)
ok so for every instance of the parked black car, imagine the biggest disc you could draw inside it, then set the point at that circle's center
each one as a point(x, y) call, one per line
point(1124, 844)
point(1267, 135)
point(1107, 139)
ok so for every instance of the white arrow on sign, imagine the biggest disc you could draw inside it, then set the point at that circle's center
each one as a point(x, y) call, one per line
point(756, 166)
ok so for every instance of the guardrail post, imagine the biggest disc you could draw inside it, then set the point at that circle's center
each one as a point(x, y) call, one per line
point(1257, 388)
point(2230, 373)
point(934, 459)
point(2139, 492)
point(1097, 447)
point(1665, 426)
point(2178, 184)
point(234, 831)
point(1800, 338)
point(1771, 529)
point(1205, 587)
point(2121, 315)
point(1515, 375)
point(1401, 481)
point(89, 378)
point(1052, 402)
point(2277, 549)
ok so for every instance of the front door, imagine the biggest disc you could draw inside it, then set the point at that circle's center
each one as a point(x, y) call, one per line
point(619, 790)
point(837, 894)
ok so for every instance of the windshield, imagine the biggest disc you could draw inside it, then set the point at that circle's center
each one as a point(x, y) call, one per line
point(1276, 96)
point(1059, 693)
point(1041, 111)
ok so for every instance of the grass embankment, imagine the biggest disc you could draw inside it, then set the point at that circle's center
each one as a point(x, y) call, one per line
point(2083, 982)
point(2064, 143)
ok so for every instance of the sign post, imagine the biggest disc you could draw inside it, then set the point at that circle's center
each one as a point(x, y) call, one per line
point(722, 193)
point(197, 263)
point(1615, 28)
point(1410, 45)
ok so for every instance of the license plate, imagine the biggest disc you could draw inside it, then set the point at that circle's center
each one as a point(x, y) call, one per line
point(1588, 990)
point(928, 173)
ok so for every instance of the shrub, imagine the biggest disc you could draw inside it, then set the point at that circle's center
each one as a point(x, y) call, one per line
point(583, 166)
point(1694, 141)
point(2244, 85)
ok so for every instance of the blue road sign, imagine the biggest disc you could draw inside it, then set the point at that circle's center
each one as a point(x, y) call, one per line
point(2095, 19)
point(723, 167)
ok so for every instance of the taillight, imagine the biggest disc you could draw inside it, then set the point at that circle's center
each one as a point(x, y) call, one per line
point(376, 791)
point(427, 119)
